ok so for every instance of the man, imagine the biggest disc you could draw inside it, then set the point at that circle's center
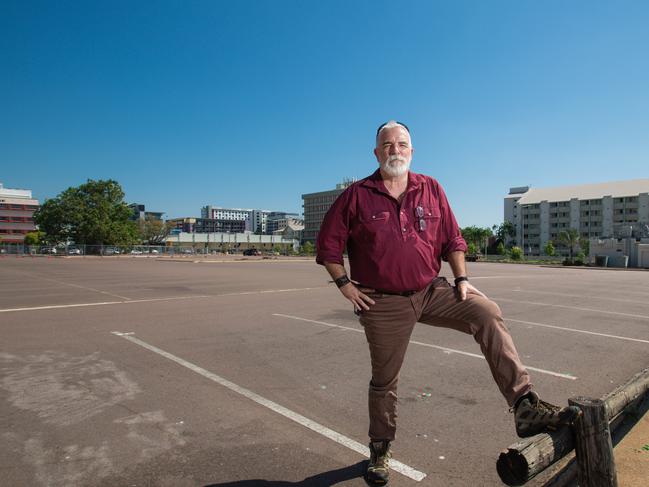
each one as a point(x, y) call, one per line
point(397, 226)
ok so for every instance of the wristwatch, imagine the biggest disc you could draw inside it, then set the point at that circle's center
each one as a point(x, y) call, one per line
point(341, 281)
point(460, 279)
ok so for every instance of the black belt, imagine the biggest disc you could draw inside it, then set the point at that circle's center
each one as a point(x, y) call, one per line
point(397, 293)
point(383, 291)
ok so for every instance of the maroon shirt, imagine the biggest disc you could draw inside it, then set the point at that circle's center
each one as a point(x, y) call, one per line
point(388, 247)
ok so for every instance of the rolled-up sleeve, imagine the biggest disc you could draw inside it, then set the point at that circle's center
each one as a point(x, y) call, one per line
point(334, 231)
point(452, 239)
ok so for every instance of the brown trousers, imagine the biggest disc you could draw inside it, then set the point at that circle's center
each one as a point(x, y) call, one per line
point(389, 323)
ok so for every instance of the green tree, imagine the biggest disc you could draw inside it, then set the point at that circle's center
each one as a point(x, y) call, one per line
point(504, 231)
point(549, 249)
point(516, 253)
point(153, 231)
point(584, 243)
point(93, 213)
point(34, 238)
point(477, 236)
point(569, 238)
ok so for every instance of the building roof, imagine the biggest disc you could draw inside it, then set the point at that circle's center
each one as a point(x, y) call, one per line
point(631, 187)
point(15, 193)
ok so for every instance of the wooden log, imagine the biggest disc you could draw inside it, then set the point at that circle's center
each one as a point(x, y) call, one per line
point(593, 446)
point(524, 460)
point(617, 400)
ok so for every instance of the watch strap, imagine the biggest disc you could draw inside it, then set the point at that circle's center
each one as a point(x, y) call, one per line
point(460, 279)
point(341, 281)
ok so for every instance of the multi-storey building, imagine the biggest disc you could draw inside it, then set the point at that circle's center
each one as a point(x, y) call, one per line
point(594, 210)
point(278, 220)
point(140, 213)
point(315, 207)
point(17, 209)
point(208, 225)
point(255, 219)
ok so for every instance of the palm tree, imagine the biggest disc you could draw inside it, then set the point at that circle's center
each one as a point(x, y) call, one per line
point(569, 238)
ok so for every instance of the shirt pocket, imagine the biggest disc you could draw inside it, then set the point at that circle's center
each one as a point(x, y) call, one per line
point(427, 220)
point(374, 225)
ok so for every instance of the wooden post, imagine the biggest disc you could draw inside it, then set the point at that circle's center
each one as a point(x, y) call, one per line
point(593, 446)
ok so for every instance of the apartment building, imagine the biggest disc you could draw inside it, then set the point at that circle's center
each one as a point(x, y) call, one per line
point(207, 225)
point(599, 210)
point(255, 219)
point(316, 206)
point(17, 209)
point(277, 220)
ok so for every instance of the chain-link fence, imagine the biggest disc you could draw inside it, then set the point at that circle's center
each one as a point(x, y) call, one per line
point(7, 249)
point(72, 250)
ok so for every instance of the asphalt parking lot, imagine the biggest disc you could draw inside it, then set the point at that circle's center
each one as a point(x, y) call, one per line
point(148, 372)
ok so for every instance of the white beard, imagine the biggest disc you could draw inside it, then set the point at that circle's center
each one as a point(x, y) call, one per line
point(395, 166)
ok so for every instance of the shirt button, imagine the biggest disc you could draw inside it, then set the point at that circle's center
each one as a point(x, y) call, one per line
point(404, 229)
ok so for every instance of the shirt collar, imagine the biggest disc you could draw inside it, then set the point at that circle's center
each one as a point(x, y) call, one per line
point(376, 181)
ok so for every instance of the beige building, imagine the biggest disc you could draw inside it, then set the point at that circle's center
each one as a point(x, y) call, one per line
point(599, 210)
point(315, 207)
point(17, 209)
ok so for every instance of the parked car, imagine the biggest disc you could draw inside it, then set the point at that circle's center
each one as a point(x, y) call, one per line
point(153, 251)
point(48, 250)
point(252, 252)
point(111, 251)
point(74, 251)
point(136, 252)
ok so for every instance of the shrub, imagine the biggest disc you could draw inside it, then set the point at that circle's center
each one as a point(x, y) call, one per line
point(308, 248)
point(549, 249)
point(516, 253)
point(500, 249)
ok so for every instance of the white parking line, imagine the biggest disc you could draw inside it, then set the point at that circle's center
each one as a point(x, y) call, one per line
point(576, 330)
point(645, 303)
point(78, 286)
point(103, 303)
point(273, 406)
point(244, 293)
point(106, 303)
point(429, 345)
point(565, 306)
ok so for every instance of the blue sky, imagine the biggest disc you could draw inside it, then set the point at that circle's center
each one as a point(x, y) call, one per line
point(253, 103)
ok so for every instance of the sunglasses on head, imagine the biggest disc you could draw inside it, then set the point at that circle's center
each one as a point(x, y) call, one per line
point(398, 123)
